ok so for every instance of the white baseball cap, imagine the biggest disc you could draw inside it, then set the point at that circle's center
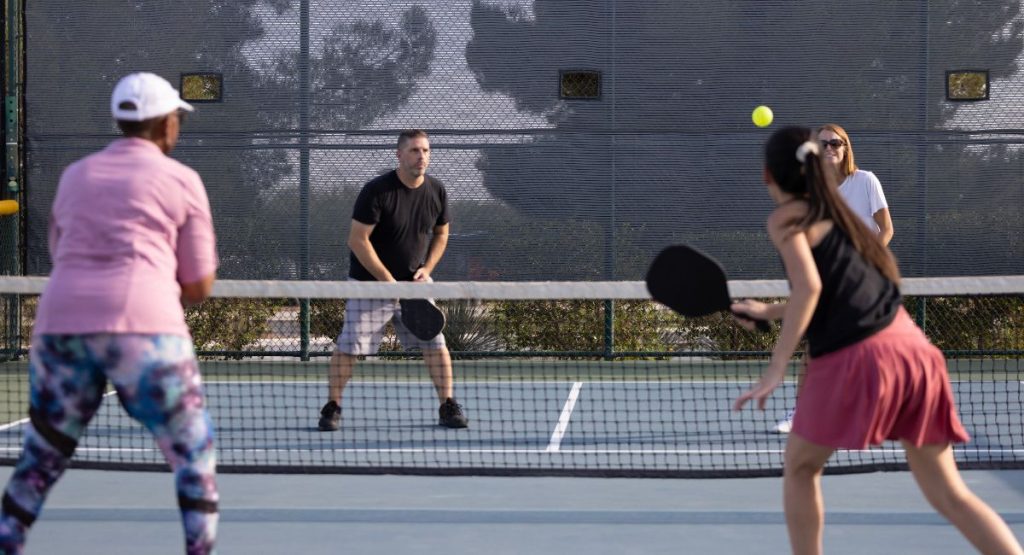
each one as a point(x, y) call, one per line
point(142, 96)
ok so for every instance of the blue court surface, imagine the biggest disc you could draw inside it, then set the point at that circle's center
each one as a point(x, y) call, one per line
point(621, 427)
point(519, 423)
point(103, 512)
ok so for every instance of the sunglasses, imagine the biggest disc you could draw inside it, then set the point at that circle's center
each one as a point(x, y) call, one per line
point(834, 143)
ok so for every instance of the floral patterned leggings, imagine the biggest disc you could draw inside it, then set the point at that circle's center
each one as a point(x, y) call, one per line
point(157, 381)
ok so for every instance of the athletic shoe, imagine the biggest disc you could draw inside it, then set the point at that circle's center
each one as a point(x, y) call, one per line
point(450, 415)
point(330, 417)
point(786, 424)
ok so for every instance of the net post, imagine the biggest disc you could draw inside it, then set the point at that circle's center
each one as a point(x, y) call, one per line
point(304, 94)
point(13, 44)
point(609, 328)
point(10, 229)
point(922, 314)
point(304, 329)
point(12, 338)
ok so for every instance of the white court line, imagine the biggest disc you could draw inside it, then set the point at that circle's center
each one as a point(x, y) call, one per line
point(17, 423)
point(563, 419)
point(13, 424)
point(426, 451)
point(489, 382)
point(513, 382)
point(486, 382)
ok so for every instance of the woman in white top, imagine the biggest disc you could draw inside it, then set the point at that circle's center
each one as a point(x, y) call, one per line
point(860, 189)
point(862, 192)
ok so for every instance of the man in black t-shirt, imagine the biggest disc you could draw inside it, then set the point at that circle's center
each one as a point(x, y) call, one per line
point(399, 233)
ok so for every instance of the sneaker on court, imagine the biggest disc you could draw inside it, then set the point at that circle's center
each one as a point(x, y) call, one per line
point(330, 417)
point(785, 425)
point(450, 415)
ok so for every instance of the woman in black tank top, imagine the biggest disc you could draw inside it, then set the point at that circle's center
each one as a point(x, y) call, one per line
point(871, 369)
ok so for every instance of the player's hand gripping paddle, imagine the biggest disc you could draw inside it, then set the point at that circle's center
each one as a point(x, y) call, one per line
point(691, 283)
point(422, 318)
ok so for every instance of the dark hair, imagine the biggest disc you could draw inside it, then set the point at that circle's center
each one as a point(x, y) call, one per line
point(144, 129)
point(809, 181)
point(410, 134)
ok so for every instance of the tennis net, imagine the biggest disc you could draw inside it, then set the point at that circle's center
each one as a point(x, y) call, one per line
point(555, 378)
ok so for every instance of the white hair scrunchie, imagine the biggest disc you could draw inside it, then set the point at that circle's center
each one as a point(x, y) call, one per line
point(805, 149)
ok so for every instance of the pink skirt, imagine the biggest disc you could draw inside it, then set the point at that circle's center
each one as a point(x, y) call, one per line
point(892, 385)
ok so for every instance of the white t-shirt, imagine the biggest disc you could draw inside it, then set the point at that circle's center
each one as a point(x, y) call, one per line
point(863, 193)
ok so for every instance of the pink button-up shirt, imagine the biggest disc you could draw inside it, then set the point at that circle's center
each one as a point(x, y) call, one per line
point(128, 225)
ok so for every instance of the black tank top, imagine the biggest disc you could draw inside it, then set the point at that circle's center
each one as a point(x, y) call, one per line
point(856, 299)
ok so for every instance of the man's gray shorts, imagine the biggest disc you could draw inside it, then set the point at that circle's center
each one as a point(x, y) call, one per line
point(365, 321)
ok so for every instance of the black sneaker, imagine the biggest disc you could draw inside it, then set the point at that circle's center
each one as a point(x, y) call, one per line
point(451, 415)
point(330, 417)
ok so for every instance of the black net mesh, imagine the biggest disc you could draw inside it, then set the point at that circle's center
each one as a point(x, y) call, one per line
point(560, 383)
point(545, 185)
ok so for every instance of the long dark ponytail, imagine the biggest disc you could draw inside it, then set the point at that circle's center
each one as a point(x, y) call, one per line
point(793, 159)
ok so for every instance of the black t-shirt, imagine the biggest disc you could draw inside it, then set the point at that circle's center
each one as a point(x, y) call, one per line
point(404, 221)
point(856, 300)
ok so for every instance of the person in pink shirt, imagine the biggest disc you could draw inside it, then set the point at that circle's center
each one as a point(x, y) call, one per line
point(132, 241)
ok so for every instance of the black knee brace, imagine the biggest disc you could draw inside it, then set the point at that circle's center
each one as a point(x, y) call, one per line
point(15, 510)
point(58, 439)
point(201, 505)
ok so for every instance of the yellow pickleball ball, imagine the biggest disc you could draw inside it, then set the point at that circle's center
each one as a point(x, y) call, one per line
point(762, 116)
